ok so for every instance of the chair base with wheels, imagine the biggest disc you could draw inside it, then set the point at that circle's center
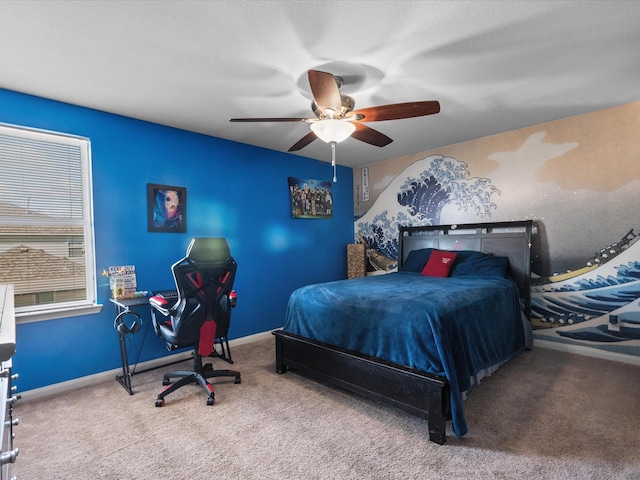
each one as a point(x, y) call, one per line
point(198, 375)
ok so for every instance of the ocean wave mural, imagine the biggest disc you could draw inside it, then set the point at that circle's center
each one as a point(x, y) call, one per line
point(417, 197)
point(597, 307)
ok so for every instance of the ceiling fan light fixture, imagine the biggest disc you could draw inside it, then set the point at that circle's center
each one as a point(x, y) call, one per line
point(332, 130)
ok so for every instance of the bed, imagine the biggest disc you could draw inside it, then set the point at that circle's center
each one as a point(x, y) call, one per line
point(418, 339)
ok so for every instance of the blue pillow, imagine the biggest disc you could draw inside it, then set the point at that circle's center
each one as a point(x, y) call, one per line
point(416, 260)
point(479, 264)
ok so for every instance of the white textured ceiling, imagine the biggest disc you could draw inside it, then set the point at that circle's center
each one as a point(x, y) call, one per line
point(493, 65)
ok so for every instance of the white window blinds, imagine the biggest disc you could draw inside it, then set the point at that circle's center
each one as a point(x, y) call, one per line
point(46, 230)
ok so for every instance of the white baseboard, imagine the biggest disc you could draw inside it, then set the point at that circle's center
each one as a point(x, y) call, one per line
point(587, 351)
point(109, 375)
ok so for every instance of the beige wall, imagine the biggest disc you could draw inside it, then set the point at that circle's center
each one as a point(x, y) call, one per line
point(606, 158)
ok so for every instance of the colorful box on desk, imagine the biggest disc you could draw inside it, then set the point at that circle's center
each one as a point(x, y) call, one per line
point(122, 281)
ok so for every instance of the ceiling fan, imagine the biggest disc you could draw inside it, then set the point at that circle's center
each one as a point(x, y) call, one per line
point(336, 119)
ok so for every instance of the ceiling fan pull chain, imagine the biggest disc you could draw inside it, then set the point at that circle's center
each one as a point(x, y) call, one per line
point(333, 161)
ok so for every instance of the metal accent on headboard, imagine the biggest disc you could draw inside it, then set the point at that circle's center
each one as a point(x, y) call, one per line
point(508, 239)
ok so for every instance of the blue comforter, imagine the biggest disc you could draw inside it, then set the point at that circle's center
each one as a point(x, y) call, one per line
point(455, 326)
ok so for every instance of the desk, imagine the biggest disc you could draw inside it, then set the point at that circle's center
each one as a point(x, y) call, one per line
point(127, 307)
point(124, 309)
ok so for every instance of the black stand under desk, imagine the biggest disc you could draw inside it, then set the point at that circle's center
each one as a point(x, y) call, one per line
point(126, 307)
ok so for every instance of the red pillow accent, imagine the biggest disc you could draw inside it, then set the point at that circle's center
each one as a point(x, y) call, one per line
point(439, 264)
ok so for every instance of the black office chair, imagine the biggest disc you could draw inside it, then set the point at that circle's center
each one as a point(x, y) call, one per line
point(201, 315)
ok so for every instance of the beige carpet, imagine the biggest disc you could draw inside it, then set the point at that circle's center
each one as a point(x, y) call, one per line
point(545, 414)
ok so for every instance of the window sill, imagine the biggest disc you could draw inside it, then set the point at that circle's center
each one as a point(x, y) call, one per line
point(28, 317)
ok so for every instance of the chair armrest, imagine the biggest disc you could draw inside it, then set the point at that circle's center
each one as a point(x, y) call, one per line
point(233, 299)
point(159, 303)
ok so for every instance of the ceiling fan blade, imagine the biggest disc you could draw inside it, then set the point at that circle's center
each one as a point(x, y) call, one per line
point(369, 135)
point(268, 119)
point(396, 111)
point(303, 142)
point(325, 91)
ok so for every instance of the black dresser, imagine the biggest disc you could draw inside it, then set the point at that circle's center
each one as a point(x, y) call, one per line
point(7, 379)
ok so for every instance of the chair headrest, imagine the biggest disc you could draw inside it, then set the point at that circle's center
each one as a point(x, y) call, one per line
point(208, 249)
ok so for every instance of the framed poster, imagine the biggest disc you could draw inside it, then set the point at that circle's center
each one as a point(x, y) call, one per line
point(310, 198)
point(166, 208)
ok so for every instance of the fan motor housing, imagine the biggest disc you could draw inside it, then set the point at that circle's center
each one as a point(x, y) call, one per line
point(348, 104)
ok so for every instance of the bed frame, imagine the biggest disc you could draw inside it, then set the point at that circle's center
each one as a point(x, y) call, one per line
point(420, 393)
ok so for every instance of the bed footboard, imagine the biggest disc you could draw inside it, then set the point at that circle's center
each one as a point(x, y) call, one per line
point(419, 393)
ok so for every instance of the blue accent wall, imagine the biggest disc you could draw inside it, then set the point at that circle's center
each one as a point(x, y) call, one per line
point(234, 191)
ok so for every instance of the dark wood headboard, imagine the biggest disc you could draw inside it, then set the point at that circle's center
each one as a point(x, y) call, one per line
point(507, 239)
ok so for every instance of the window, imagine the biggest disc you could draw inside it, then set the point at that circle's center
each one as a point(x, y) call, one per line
point(46, 227)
